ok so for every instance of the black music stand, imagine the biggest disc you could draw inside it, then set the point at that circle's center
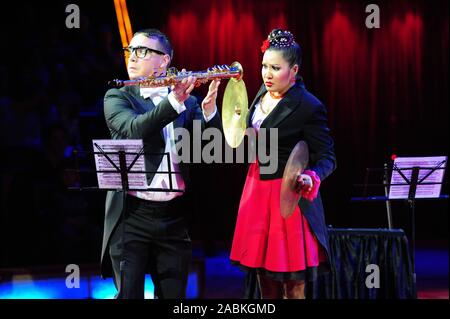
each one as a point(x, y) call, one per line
point(413, 182)
point(123, 170)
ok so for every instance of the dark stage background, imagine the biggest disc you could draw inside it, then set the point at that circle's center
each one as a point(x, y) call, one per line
point(386, 91)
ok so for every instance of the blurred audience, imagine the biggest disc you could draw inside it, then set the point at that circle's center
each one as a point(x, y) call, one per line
point(51, 87)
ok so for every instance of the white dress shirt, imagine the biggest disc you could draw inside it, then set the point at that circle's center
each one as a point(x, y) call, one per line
point(258, 117)
point(161, 180)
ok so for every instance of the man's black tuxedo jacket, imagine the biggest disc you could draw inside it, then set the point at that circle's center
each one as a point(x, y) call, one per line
point(130, 116)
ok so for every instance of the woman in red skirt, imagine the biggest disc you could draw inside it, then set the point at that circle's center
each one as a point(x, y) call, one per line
point(287, 252)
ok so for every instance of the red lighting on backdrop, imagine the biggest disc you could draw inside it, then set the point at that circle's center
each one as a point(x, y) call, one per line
point(221, 33)
point(371, 80)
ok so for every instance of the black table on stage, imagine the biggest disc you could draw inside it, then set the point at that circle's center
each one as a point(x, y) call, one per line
point(352, 250)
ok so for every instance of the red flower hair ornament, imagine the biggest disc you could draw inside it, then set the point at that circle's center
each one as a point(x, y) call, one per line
point(265, 45)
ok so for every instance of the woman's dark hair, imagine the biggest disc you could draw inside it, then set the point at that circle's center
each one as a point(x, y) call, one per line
point(163, 40)
point(283, 40)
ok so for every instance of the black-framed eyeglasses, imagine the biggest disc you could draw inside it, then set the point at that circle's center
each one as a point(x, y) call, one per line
point(141, 51)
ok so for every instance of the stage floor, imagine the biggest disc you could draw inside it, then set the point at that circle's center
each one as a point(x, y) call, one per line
point(211, 277)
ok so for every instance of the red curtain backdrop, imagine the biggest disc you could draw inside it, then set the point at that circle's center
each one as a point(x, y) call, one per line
point(220, 32)
point(368, 78)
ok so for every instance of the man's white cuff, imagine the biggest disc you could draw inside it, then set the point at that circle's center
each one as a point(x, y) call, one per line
point(178, 107)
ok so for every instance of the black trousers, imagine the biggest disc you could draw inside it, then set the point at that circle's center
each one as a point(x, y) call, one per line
point(155, 240)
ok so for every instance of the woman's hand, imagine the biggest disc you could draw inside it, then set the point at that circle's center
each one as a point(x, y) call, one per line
point(305, 183)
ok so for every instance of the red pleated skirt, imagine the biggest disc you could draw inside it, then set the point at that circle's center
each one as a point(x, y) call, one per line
point(263, 238)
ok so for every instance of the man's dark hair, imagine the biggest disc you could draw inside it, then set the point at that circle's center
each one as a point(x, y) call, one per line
point(163, 40)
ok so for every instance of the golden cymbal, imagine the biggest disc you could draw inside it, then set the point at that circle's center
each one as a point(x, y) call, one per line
point(297, 162)
point(235, 110)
